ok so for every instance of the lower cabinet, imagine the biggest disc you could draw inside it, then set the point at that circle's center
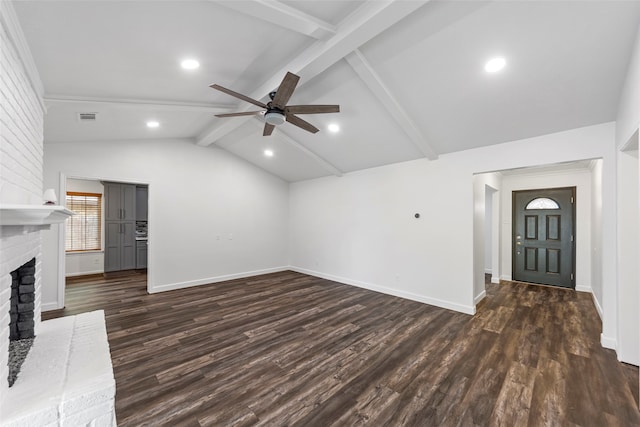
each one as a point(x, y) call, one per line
point(141, 254)
point(120, 246)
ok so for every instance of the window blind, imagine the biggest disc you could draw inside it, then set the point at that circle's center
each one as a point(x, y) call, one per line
point(84, 228)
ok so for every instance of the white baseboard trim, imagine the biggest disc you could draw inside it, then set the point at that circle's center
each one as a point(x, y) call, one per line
point(209, 280)
point(84, 273)
point(487, 271)
point(389, 291)
point(480, 297)
point(505, 277)
point(598, 306)
point(495, 279)
point(608, 342)
point(581, 288)
point(50, 306)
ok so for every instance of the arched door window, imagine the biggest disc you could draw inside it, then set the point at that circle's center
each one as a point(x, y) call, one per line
point(542, 203)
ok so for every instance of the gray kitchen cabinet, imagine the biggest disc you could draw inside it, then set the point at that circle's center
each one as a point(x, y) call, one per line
point(120, 226)
point(120, 246)
point(120, 201)
point(142, 194)
point(141, 254)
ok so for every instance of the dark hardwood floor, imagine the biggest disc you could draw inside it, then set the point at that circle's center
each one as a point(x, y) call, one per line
point(290, 349)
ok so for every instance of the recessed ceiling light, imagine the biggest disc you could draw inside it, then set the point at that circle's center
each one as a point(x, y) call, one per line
point(268, 153)
point(495, 64)
point(190, 64)
point(333, 128)
point(152, 124)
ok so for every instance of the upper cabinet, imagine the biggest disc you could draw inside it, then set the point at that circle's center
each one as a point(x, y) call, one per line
point(142, 194)
point(120, 201)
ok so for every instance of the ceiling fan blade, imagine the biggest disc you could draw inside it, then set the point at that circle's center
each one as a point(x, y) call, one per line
point(243, 113)
point(268, 129)
point(295, 120)
point(238, 95)
point(285, 90)
point(312, 109)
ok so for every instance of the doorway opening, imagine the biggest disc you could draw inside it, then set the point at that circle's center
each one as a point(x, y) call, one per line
point(115, 226)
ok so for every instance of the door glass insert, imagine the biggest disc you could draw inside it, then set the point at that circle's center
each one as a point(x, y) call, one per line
point(542, 203)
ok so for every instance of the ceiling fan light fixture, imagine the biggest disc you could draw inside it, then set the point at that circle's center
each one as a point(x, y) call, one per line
point(274, 118)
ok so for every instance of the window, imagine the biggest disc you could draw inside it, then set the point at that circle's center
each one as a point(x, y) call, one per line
point(84, 228)
point(542, 203)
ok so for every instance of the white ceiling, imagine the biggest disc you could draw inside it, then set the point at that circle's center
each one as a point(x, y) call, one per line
point(408, 75)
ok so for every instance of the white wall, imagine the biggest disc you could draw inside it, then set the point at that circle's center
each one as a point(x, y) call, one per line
point(486, 225)
point(581, 179)
point(488, 229)
point(212, 216)
point(627, 124)
point(628, 255)
point(360, 229)
point(91, 262)
point(596, 235)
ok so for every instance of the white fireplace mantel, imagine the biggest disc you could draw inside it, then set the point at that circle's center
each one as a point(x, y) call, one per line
point(41, 216)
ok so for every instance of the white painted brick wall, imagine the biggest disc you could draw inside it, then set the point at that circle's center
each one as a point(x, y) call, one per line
point(21, 168)
point(67, 378)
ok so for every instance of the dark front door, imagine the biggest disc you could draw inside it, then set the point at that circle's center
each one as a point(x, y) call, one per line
point(544, 236)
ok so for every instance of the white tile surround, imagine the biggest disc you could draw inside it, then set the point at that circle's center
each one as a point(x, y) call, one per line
point(67, 378)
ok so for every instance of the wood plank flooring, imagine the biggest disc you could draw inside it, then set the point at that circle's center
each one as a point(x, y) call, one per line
point(290, 349)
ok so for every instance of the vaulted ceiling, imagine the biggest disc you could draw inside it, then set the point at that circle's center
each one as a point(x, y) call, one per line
point(408, 75)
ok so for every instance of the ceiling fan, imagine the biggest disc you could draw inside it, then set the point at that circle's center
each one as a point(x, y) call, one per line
point(277, 111)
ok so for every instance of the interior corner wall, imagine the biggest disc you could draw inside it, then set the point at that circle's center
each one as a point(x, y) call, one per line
point(572, 178)
point(360, 228)
point(212, 216)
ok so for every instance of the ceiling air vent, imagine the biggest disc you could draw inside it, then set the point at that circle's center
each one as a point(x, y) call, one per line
point(87, 117)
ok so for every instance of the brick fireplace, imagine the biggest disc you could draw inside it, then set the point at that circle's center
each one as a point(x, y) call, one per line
point(67, 377)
